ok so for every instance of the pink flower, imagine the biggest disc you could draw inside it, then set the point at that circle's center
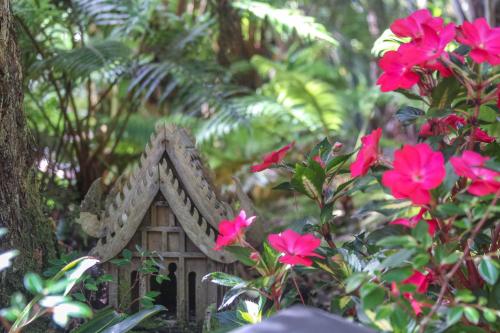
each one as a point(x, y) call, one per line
point(471, 165)
point(417, 170)
point(482, 136)
point(483, 40)
point(272, 158)
point(232, 232)
point(294, 247)
point(368, 154)
point(413, 221)
point(411, 26)
point(432, 45)
point(441, 126)
point(397, 67)
point(318, 159)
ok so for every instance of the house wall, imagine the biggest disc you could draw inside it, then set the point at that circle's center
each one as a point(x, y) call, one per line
point(161, 233)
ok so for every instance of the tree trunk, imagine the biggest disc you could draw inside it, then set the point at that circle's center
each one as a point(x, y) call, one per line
point(20, 211)
point(231, 44)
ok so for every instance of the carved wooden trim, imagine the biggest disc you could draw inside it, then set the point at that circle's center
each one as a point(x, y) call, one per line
point(170, 164)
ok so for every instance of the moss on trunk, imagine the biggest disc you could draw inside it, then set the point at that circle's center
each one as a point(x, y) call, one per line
point(20, 210)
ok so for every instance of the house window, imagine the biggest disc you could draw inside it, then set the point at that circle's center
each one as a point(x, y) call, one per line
point(192, 295)
point(167, 290)
point(134, 292)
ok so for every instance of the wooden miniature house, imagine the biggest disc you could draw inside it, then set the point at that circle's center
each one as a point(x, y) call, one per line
point(166, 206)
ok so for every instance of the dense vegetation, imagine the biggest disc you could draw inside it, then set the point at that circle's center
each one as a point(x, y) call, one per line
point(388, 213)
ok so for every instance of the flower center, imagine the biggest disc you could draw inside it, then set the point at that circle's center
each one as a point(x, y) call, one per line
point(417, 177)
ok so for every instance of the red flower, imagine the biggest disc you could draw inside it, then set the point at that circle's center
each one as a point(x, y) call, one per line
point(441, 126)
point(415, 305)
point(413, 221)
point(411, 26)
point(294, 247)
point(471, 165)
point(397, 67)
point(272, 158)
point(232, 232)
point(483, 40)
point(417, 170)
point(498, 96)
point(482, 136)
point(368, 154)
point(420, 280)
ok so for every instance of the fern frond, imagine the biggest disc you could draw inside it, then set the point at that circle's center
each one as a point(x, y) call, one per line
point(239, 112)
point(285, 20)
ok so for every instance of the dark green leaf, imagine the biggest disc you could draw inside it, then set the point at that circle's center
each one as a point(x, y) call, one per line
point(408, 114)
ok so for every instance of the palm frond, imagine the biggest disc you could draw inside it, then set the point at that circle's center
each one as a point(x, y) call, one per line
point(285, 20)
point(107, 56)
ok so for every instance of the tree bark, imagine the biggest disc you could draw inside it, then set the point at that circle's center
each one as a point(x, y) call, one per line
point(20, 210)
point(232, 47)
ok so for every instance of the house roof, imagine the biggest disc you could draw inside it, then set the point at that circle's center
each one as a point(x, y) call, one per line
point(171, 165)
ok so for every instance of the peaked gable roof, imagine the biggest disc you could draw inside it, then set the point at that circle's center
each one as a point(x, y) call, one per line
point(170, 164)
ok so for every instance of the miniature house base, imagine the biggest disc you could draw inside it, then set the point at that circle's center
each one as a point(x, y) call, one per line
point(166, 206)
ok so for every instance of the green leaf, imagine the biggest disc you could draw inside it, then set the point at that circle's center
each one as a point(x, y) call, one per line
point(450, 209)
point(454, 315)
point(408, 114)
point(285, 186)
point(309, 180)
point(127, 254)
point(488, 269)
point(464, 295)
point(232, 294)
point(371, 296)
point(326, 213)
point(392, 241)
point(91, 286)
point(223, 279)
point(79, 297)
point(102, 319)
point(397, 259)
point(336, 161)
point(242, 254)
point(421, 233)
point(489, 315)
point(134, 320)
point(445, 92)
point(354, 281)
point(471, 314)
point(420, 260)
point(62, 312)
point(33, 283)
point(269, 256)
point(398, 274)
